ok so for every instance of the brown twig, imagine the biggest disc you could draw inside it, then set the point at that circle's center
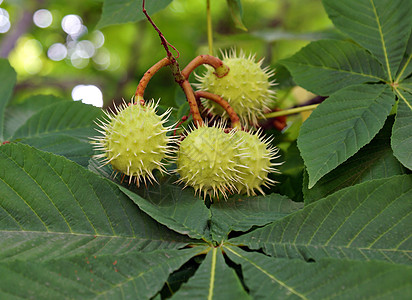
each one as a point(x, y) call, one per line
point(194, 109)
point(221, 69)
point(177, 74)
point(234, 118)
point(163, 40)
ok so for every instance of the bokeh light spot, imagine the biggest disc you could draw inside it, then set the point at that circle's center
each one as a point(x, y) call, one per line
point(102, 59)
point(85, 49)
point(97, 38)
point(42, 18)
point(4, 21)
point(88, 94)
point(72, 24)
point(57, 52)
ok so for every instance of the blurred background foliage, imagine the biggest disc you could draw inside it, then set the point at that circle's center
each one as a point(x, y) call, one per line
point(54, 45)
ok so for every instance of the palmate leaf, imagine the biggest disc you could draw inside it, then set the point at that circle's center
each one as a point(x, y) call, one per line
point(402, 130)
point(124, 11)
point(341, 125)
point(8, 79)
point(374, 161)
point(112, 276)
point(240, 213)
point(178, 209)
point(325, 66)
point(381, 26)
point(51, 207)
point(213, 280)
point(368, 221)
point(276, 278)
point(63, 128)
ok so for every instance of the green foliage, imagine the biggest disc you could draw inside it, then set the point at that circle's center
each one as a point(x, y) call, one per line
point(346, 73)
point(8, 80)
point(269, 278)
point(373, 161)
point(70, 229)
point(213, 280)
point(368, 221)
point(401, 134)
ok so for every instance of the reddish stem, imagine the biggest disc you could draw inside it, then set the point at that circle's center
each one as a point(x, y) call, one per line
point(234, 118)
point(163, 40)
point(194, 109)
point(146, 78)
point(178, 75)
point(221, 69)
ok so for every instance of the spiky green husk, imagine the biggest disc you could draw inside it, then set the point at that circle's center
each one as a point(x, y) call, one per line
point(247, 87)
point(207, 161)
point(255, 161)
point(134, 141)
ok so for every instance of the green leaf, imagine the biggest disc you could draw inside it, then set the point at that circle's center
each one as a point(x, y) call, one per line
point(374, 161)
point(240, 213)
point(17, 114)
point(124, 11)
point(325, 66)
point(290, 178)
point(406, 65)
point(178, 209)
point(113, 276)
point(235, 8)
point(70, 147)
point(402, 130)
point(368, 221)
point(381, 26)
point(51, 207)
point(213, 280)
point(8, 79)
point(341, 125)
point(406, 85)
point(271, 278)
point(71, 118)
point(63, 128)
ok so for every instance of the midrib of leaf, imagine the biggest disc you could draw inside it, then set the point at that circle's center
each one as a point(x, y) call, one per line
point(403, 98)
point(291, 289)
point(382, 40)
point(324, 67)
point(212, 274)
point(111, 237)
point(407, 252)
